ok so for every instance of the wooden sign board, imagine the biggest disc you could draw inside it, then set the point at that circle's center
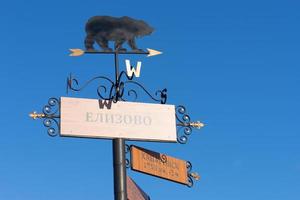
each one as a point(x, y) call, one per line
point(134, 192)
point(159, 165)
point(94, 118)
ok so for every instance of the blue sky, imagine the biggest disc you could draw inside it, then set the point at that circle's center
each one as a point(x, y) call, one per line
point(233, 64)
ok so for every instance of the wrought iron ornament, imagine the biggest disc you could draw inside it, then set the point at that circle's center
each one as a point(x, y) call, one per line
point(117, 90)
point(127, 152)
point(191, 175)
point(51, 115)
point(184, 124)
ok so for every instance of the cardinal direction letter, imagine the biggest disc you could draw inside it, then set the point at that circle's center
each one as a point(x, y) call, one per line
point(106, 103)
point(131, 70)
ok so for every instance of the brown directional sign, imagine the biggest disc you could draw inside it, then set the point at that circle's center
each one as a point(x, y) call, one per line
point(159, 165)
point(134, 192)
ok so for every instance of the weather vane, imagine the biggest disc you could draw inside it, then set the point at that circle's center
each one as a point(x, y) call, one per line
point(115, 114)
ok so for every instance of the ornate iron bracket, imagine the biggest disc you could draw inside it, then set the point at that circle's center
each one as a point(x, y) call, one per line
point(116, 90)
point(127, 152)
point(51, 116)
point(185, 125)
point(191, 175)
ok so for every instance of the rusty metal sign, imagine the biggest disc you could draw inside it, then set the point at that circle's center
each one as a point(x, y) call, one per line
point(134, 192)
point(159, 165)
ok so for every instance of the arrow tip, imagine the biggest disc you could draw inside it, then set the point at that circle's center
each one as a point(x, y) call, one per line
point(153, 52)
point(197, 124)
point(195, 175)
point(76, 52)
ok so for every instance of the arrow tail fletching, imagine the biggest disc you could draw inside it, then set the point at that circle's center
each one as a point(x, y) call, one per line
point(76, 52)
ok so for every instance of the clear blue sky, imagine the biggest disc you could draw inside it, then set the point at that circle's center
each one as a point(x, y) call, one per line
point(234, 64)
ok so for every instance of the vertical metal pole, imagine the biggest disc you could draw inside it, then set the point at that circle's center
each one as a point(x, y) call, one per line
point(119, 169)
point(119, 163)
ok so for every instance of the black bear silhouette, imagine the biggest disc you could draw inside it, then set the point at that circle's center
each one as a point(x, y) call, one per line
point(102, 29)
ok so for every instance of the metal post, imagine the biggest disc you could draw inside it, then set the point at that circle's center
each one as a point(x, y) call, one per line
point(119, 162)
point(119, 169)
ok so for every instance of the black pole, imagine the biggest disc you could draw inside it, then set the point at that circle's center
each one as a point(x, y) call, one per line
point(119, 169)
point(119, 163)
point(117, 73)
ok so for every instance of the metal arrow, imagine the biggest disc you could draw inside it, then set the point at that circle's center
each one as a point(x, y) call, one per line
point(149, 52)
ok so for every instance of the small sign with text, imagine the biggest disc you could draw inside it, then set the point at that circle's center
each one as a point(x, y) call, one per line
point(105, 119)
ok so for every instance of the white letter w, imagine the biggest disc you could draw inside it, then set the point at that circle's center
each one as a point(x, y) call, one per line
point(131, 70)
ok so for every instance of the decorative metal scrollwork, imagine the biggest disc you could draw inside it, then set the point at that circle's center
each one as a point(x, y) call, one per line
point(127, 152)
point(73, 84)
point(189, 169)
point(117, 90)
point(50, 115)
point(163, 158)
point(185, 125)
point(51, 111)
point(191, 175)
